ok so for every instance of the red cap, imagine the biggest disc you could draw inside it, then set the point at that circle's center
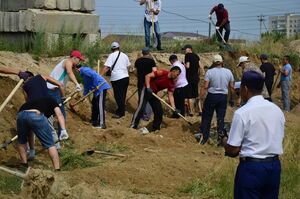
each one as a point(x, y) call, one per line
point(76, 53)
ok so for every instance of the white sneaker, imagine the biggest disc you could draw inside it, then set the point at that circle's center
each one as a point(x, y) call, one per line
point(144, 131)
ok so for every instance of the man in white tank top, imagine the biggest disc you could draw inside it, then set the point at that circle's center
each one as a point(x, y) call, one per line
point(62, 72)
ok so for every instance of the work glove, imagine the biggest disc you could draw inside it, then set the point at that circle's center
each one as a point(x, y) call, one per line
point(63, 135)
point(149, 90)
point(217, 28)
point(23, 75)
point(78, 87)
point(209, 16)
point(231, 102)
point(177, 111)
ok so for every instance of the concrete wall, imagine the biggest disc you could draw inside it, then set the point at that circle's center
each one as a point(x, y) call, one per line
point(74, 5)
point(35, 20)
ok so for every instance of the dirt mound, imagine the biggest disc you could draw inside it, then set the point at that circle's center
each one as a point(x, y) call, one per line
point(38, 184)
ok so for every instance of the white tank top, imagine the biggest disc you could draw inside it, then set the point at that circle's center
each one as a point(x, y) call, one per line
point(60, 74)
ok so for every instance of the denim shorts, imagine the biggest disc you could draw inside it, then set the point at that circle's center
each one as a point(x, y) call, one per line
point(38, 123)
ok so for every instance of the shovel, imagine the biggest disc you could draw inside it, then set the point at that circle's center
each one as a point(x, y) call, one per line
point(11, 94)
point(227, 46)
point(83, 98)
point(127, 100)
point(68, 98)
point(90, 152)
point(168, 105)
point(4, 145)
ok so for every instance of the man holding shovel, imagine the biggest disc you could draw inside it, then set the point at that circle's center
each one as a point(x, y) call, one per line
point(90, 81)
point(33, 116)
point(155, 82)
point(152, 9)
point(222, 21)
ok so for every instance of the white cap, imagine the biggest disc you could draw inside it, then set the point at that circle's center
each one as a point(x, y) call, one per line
point(115, 45)
point(243, 59)
point(217, 58)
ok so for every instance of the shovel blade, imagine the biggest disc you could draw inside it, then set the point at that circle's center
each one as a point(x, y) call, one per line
point(228, 47)
point(89, 152)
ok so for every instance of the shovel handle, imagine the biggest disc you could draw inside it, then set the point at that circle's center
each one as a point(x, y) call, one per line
point(11, 94)
point(168, 105)
point(91, 92)
point(218, 32)
point(126, 102)
point(111, 154)
point(15, 173)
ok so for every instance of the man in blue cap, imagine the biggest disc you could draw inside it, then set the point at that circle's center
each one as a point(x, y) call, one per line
point(256, 135)
point(222, 21)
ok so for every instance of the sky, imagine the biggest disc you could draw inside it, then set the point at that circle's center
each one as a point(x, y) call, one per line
point(126, 16)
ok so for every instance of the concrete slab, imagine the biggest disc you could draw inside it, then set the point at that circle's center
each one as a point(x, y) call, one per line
point(88, 5)
point(91, 38)
point(45, 4)
point(15, 5)
point(63, 4)
point(75, 5)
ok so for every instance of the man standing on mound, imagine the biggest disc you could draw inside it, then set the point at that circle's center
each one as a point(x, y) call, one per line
point(155, 82)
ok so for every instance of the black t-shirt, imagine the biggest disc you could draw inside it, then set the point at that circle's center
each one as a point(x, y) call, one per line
point(192, 73)
point(144, 66)
point(44, 105)
point(36, 88)
point(269, 70)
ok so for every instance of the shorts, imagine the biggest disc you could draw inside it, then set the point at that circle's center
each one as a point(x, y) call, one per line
point(192, 89)
point(38, 123)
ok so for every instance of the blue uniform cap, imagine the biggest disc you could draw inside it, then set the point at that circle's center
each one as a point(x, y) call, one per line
point(253, 79)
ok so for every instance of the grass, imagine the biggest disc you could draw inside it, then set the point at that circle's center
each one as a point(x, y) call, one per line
point(10, 184)
point(71, 160)
point(219, 183)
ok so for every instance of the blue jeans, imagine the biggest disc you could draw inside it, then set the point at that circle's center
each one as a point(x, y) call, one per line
point(285, 87)
point(55, 94)
point(213, 102)
point(38, 123)
point(257, 180)
point(147, 27)
point(148, 110)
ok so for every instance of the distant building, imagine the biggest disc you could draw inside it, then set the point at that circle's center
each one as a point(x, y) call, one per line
point(288, 24)
point(181, 36)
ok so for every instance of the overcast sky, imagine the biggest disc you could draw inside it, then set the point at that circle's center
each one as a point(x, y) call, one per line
point(126, 16)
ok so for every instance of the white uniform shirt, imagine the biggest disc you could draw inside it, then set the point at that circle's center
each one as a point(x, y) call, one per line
point(181, 80)
point(120, 70)
point(60, 74)
point(258, 127)
point(156, 5)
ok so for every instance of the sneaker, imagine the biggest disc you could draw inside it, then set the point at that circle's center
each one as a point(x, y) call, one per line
point(144, 131)
point(133, 126)
point(159, 49)
point(190, 115)
point(198, 137)
point(31, 155)
point(22, 167)
point(200, 114)
point(100, 126)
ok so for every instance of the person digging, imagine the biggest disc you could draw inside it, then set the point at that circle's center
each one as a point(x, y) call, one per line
point(33, 116)
point(90, 81)
point(155, 82)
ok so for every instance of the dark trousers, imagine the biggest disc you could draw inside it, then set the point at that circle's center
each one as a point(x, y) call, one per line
point(120, 90)
point(257, 180)
point(98, 108)
point(227, 31)
point(148, 110)
point(269, 85)
point(156, 107)
point(213, 102)
point(179, 97)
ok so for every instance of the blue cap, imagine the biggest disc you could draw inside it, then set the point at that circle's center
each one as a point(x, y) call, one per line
point(253, 79)
point(264, 56)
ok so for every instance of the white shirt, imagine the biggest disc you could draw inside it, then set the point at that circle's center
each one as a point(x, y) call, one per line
point(60, 74)
point(156, 5)
point(120, 70)
point(181, 80)
point(258, 127)
point(219, 79)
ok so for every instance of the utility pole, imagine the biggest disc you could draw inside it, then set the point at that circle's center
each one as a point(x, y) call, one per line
point(261, 19)
point(209, 30)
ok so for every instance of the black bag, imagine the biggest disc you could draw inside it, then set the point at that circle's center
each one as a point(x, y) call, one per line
point(108, 73)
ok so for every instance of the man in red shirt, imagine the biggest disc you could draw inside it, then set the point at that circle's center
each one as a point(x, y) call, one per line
point(222, 21)
point(155, 82)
